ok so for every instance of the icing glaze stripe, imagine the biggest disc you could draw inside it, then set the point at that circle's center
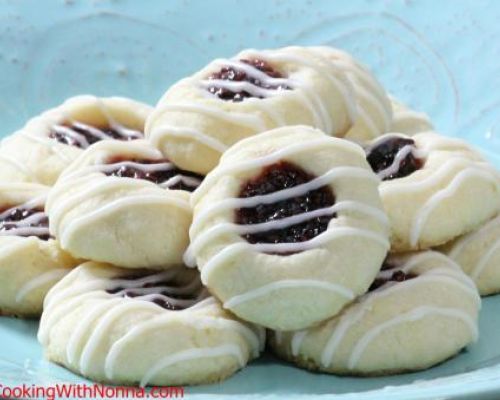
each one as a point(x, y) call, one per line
point(287, 284)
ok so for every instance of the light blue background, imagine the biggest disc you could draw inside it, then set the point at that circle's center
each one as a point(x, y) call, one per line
point(442, 57)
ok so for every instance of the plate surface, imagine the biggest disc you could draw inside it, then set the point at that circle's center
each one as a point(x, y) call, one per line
point(440, 57)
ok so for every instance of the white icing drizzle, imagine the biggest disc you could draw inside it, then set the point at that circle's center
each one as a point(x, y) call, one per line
point(39, 281)
point(202, 239)
point(153, 167)
point(189, 133)
point(398, 159)
point(237, 167)
point(22, 227)
point(256, 340)
point(416, 314)
point(329, 235)
point(484, 260)
point(227, 350)
point(287, 284)
point(16, 164)
point(433, 202)
point(367, 91)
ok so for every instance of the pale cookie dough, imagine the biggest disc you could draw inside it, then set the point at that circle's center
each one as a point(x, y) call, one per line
point(201, 116)
point(478, 253)
point(373, 107)
point(408, 121)
point(122, 203)
point(48, 143)
point(421, 310)
point(434, 188)
point(31, 261)
point(143, 327)
point(289, 227)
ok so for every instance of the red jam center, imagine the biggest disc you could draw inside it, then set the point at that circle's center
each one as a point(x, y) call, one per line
point(82, 135)
point(161, 292)
point(231, 73)
point(383, 155)
point(396, 276)
point(157, 171)
point(26, 222)
point(276, 177)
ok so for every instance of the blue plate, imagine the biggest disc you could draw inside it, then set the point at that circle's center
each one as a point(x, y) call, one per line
point(440, 57)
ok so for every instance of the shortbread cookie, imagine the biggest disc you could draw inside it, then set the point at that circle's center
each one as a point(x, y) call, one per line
point(142, 327)
point(421, 310)
point(125, 204)
point(478, 253)
point(434, 188)
point(231, 99)
point(50, 142)
point(30, 259)
point(408, 121)
point(289, 227)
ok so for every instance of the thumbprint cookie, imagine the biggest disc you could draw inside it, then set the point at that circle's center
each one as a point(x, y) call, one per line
point(289, 227)
point(127, 327)
point(420, 310)
point(125, 204)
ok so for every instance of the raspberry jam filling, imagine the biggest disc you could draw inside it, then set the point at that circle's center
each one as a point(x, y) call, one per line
point(396, 276)
point(276, 177)
point(24, 221)
point(157, 288)
point(81, 135)
point(394, 157)
point(233, 74)
point(162, 172)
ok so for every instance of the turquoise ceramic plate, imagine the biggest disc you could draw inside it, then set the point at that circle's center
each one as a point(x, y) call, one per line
point(440, 57)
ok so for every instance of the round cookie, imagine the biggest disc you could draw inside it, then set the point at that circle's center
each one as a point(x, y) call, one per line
point(289, 227)
point(478, 253)
point(408, 121)
point(142, 327)
point(30, 259)
point(47, 144)
point(421, 310)
point(125, 204)
point(201, 116)
point(434, 188)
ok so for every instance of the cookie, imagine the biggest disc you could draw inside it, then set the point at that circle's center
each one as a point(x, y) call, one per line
point(434, 188)
point(201, 116)
point(478, 253)
point(143, 327)
point(47, 144)
point(289, 227)
point(408, 121)
point(31, 261)
point(421, 310)
point(125, 204)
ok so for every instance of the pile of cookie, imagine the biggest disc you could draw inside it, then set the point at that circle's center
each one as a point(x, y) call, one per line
point(278, 198)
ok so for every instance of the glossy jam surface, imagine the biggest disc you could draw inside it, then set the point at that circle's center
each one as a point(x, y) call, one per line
point(156, 171)
point(284, 175)
point(383, 155)
point(82, 136)
point(162, 292)
point(27, 221)
point(230, 73)
point(396, 276)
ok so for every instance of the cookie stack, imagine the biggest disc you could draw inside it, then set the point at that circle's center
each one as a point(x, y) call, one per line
point(280, 191)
